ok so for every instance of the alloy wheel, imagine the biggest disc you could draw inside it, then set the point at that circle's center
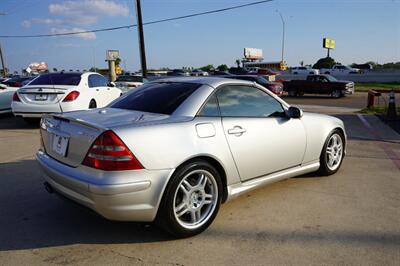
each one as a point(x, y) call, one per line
point(334, 152)
point(195, 199)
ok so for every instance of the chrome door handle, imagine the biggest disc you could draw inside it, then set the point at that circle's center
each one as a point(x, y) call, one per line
point(236, 130)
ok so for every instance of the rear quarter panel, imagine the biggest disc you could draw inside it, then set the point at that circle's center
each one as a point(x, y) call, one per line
point(167, 146)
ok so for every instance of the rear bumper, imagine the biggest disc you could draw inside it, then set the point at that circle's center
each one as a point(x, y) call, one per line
point(136, 199)
point(35, 110)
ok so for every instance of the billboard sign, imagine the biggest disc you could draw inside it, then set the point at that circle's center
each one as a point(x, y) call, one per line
point(253, 53)
point(112, 55)
point(328, 43)
point(37, 67)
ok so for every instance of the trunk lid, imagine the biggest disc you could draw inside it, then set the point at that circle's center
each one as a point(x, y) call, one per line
point(67, 137)
point(43, 94)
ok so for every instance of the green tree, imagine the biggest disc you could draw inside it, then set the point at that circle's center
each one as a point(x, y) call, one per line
point(117, 61)
point(223, 67)
point(207, 68)
point(326, 62)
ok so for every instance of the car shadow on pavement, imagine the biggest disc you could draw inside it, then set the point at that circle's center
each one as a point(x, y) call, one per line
point(33, 218)
point(311, 234)
point(8, 121)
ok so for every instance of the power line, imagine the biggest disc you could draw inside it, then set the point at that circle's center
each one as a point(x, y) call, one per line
point(135, 25)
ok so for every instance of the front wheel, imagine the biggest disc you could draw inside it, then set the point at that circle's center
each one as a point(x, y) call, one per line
point(292, 93)
point(336, 94)
point(332, 153)
point(191, 200)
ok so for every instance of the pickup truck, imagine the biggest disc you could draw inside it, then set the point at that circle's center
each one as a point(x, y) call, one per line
point(319, 84)
point(339, 70)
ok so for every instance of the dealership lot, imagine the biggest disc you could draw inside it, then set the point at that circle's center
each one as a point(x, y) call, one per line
point(351, 217)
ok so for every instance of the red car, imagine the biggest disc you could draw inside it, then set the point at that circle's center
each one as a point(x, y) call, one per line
point(275, 87)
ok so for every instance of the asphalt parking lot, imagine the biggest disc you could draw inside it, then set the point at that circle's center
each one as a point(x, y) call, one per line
point(352, 217)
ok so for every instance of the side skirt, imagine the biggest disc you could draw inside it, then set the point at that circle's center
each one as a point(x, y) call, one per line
point(238, 189)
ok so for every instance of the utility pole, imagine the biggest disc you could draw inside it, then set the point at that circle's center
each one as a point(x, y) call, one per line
point(283, 33)
point(141, 38)
point(2, 62)
point(1, 53)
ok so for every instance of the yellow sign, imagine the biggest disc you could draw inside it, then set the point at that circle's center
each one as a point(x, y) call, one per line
point(328, 43)
point(118, 70)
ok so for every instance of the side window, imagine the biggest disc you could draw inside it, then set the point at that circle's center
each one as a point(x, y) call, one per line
point(210, 108)
point(102, 81)
point(97, 81)
point(91, 81)
point(245, 101)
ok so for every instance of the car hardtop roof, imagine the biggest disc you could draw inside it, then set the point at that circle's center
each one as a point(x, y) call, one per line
point(210, 81)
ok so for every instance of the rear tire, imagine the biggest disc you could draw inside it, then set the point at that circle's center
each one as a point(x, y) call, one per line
point(92, 104)
point(332, 154)
point(292, 93)
point(191, 200)
point(336, 94)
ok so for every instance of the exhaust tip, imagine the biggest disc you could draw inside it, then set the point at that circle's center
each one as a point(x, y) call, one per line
point(48, 187)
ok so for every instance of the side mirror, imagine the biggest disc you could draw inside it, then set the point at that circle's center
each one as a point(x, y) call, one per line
point(294, 112)
point(112, 84)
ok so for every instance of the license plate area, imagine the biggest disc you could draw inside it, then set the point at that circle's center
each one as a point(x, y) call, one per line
point(41, 97)
point(60, 144)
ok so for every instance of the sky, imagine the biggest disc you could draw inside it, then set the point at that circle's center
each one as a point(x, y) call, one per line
point(364, 31)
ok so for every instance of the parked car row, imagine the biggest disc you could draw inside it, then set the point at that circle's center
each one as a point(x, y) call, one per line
point(70, 91)
point(337, 69)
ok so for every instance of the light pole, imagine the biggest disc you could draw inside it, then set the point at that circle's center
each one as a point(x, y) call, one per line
point(283, 33)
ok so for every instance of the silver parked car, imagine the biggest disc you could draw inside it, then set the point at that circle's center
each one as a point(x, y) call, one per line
point(173, 150)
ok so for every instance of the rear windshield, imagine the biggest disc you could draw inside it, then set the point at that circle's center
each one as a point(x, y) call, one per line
point(161, 98)
point(130, 78)
point(58, 79)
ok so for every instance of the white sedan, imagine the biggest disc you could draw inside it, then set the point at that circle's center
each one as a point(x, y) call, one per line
point(7, 89)
point(301, 70)
point(5, 98)
point(63, 92)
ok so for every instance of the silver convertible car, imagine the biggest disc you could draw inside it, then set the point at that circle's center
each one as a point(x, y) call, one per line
point(174, 149)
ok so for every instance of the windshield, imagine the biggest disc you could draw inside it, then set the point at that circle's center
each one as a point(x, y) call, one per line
point(72, 79)
point(331, 78)
point(161, 98)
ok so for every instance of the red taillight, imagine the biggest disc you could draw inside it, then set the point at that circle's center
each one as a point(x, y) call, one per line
point(71, 96)
point(16, 97)
point(109, 152)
